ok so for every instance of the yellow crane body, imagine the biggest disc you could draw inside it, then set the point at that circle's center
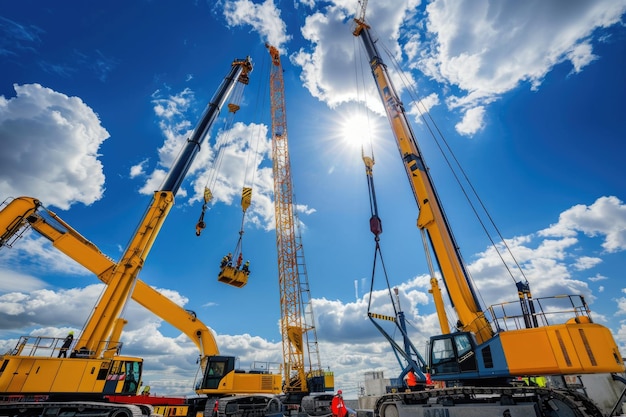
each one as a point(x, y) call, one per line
point(488, 354)
point(94, 369)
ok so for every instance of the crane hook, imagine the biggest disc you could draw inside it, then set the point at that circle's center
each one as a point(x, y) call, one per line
point(201, 225)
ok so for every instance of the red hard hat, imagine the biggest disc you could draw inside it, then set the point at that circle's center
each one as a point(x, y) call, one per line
point(339, 392)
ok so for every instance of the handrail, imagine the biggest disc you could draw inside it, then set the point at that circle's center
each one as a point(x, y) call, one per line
point(44, 346)
point(548, 310)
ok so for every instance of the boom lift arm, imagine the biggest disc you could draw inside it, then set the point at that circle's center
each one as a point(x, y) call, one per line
point(123, 276)
point(24, 211)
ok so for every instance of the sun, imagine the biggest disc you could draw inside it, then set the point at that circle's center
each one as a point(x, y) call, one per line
point(357, 130)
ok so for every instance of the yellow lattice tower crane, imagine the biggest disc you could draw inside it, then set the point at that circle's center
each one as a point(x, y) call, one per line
point(296, 320)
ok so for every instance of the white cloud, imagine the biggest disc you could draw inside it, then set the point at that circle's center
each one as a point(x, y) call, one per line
point(606, 217)
point(138, 170)
point(597, 278)
point(476, 50)
point(14, 281)
point(488, 48)
point(153, 182)
point(54, 141)
point(621, 306)
point(417, 109)
point(543, 263)
point(234, 161)
point(264, 19)
point(586, 262)
point(237, 157)
point(43, 307)
point(34, 255)
point(472, 122)
point(333, 50)
point(550, 258)
point(581, 56)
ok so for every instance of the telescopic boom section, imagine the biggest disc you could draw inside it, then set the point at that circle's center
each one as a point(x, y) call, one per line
point(431, 217)
point(291, 314)
point(123, 277)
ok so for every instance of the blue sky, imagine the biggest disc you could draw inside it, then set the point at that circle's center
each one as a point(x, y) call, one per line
point(95, 101)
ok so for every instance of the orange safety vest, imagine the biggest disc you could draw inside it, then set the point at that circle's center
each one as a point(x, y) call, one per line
point(411, 379)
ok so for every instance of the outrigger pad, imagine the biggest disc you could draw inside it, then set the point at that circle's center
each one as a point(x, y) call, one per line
point(233, 276)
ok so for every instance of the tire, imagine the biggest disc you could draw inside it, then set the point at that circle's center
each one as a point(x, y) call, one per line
point(389, 410)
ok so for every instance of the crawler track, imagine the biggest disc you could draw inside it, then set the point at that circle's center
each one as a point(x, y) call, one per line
point(73, 409)
point(487, 402)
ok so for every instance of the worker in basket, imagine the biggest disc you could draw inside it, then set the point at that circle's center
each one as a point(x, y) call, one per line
point(227, 260)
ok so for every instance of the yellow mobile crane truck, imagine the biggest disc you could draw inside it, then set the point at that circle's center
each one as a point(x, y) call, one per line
point(95, 380)
point(482, 361)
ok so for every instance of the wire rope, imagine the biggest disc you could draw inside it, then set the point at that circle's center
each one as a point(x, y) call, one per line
point(457, 172)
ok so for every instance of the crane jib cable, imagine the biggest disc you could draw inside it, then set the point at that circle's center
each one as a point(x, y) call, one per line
point(237, 274)
point(376, 228)
point(409, 354)
point(246, 199)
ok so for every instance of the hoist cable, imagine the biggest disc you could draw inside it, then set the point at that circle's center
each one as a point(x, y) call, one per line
point(375, 221)
point(424, 110)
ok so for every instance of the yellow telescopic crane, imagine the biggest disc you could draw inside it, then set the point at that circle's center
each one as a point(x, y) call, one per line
point(551, 337)
point(95, 370)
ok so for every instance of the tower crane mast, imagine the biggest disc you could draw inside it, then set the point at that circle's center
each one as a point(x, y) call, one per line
point(293, 287)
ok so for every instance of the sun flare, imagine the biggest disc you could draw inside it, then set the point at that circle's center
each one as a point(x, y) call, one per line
point(356, 130)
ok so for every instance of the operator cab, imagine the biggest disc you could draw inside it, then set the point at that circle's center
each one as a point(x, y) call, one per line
point(453, 354)
point(217, 368)
point(122, 377)
point(458, 359)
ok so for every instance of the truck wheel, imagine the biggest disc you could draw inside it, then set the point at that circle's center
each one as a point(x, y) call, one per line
point(389, 410)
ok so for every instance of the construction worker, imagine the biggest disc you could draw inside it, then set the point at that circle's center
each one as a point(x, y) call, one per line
point(227, 260)
point(411, 380)
point(66, 344)
point(239, 260)
point(246, 267)
point(337, 406)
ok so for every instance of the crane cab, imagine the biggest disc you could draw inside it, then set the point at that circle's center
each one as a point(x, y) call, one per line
point(233, 276)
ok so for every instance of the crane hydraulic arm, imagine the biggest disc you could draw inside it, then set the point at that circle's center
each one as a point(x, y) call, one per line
point(24, 211)
point(554, 347)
